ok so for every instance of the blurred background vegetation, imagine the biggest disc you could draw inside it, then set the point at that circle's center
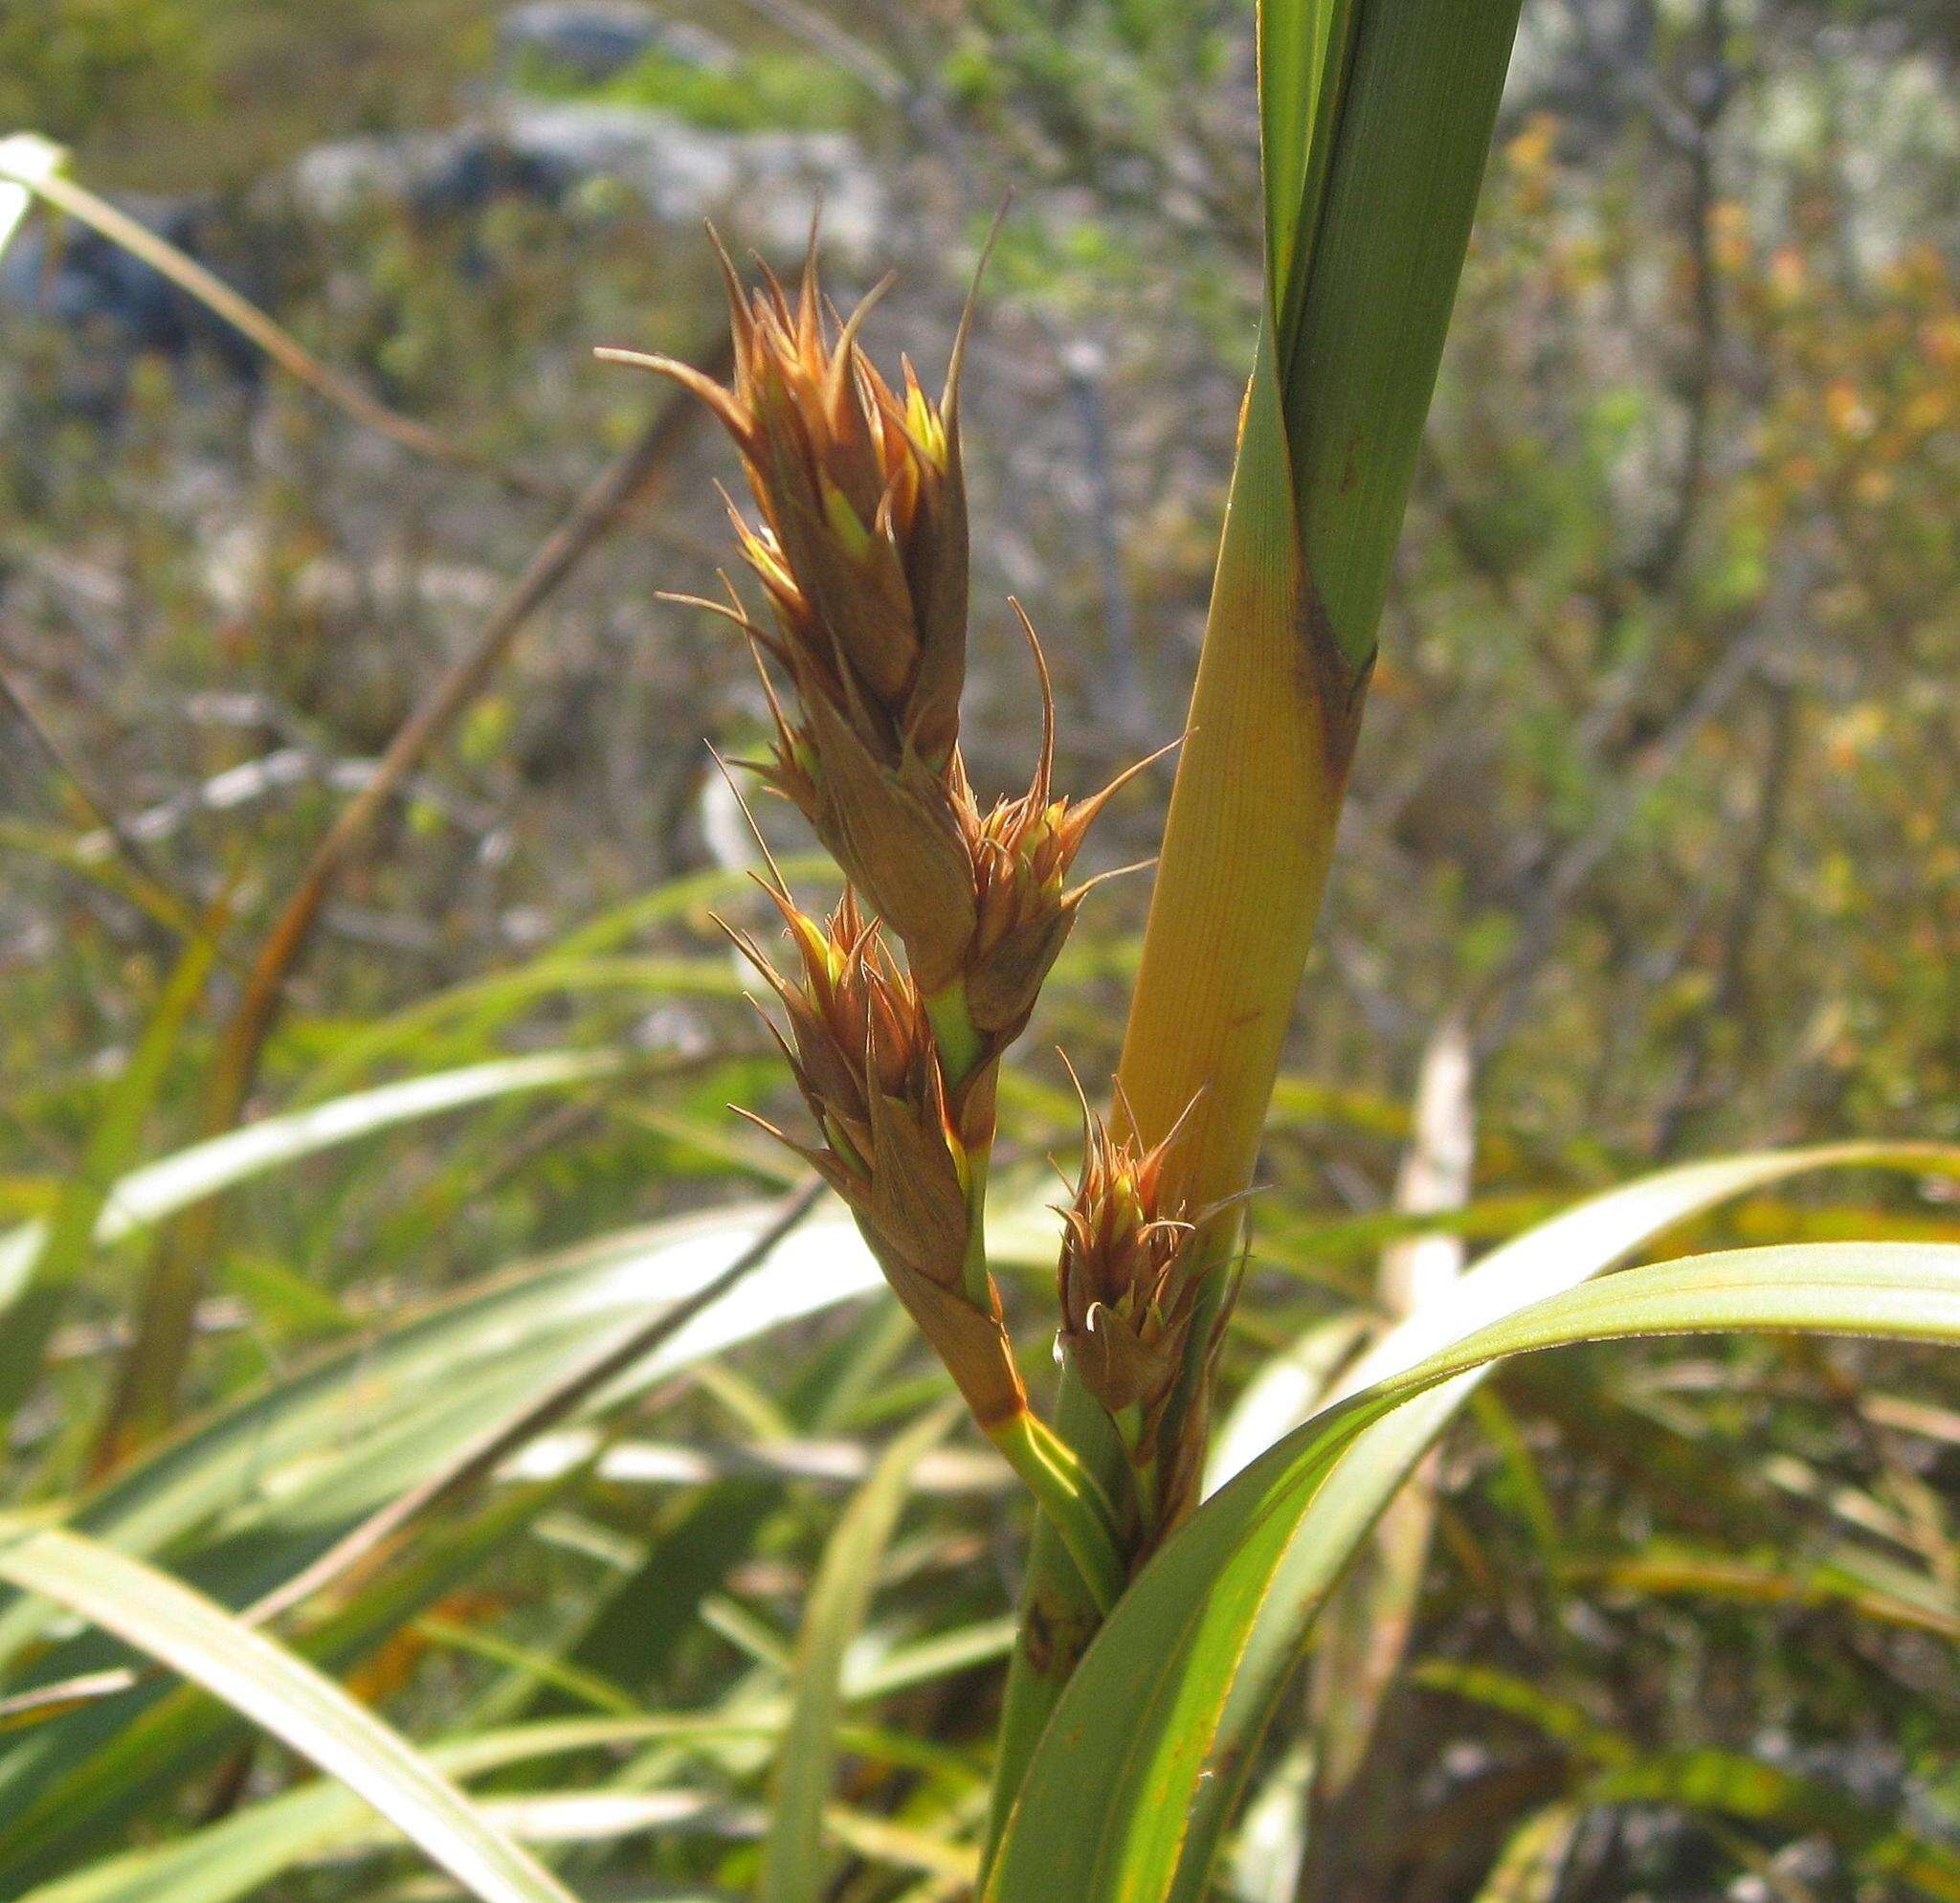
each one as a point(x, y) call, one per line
point(1658, 805)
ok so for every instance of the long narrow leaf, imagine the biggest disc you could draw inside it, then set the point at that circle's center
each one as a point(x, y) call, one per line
point(61, 1245)
point(793, 1864)
point(1916, 1605)
point(146, 1195)
point(1106, 1807)
point(314, 1716)
point(76, 1783)
point(1533, 1860)
point(1584, 1240)
point(368, 1421)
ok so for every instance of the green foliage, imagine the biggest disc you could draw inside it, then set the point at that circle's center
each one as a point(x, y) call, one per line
point(761, 91)
point(1184, 1678)
point(69, 67)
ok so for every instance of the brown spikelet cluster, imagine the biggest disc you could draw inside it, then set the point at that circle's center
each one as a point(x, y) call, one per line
point(859, 536)
point(864, 1057)
point(1127, 1294)
point(861, 546)
point(861, 549)
point(1022, 850)
point(1134, 1326)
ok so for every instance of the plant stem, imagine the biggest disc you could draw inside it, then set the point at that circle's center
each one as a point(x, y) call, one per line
point(1146, 1473)
point(961, 1046)
point(1059, 1616)
point(973, 1271)
point(1071, 1498)
point(961, 1051)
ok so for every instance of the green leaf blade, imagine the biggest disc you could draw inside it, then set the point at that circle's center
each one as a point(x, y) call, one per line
point(309, 1713)
point(1106, 1805)
point(794, 1860)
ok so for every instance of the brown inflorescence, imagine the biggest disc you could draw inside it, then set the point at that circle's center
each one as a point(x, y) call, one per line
point(860, 542)
point(1021, 852)
point(894, 1141)
point(861, 549)
point(1127, 1280)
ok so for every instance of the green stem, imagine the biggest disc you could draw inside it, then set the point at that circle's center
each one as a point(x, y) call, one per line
point(1146, 1470)
point(1077, 1568)
point(962, 1050)
point(1060, 1617)
point(973, 1274)
point(1058, 1614)
point(961, 1046)
point(1071, 1498)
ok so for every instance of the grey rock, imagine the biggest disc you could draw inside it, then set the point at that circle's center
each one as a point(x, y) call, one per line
point(763, 186)
point(75, 278)
point(593, 40)
point(590, 38)
point(428, 171)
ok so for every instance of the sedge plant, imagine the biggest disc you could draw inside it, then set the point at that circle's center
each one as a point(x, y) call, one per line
point(1118, 1762)
point(1158, 1627)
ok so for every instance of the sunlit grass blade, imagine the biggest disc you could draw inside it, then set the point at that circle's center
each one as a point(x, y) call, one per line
point(473, 1461)
point(263, 1489)
point(73, 1780)
point(1531, 1865)
point(588, 957)
point(393, 1408)
point(26, 163)
point(471, 1014)
point(1666, 1572)
point(794, 1868)
point(240, 1854)
point(236, 1856)
point(145, 1195)
point(269, 1684)
point(1584, 1241)
point(37, 165)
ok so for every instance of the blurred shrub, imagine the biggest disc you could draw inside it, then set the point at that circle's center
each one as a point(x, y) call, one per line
point(69, 66)
point(758, 92)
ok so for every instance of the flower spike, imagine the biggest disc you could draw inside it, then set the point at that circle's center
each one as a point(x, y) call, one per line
point(1126, 1279)
point(864, 1057)
point(860, 545)
point(1021, 852)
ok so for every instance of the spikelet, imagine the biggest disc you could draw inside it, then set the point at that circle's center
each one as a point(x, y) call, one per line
point(861, 546)
point(861, 549)
point(860, 541)
point(1128, 1291)
point(1022, 850)
point(890, 1143)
